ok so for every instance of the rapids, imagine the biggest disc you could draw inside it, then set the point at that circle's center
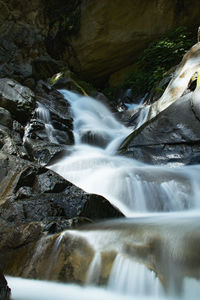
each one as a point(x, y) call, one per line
point(131, 186)
point(153, 255)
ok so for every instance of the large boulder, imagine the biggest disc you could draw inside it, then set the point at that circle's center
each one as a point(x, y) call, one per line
point(17, 99)
point(36, 202)
point(95, 38)
point(22, 37)
point(172, 137)
point(32, 193)
point(50, 127)
point(87, 254)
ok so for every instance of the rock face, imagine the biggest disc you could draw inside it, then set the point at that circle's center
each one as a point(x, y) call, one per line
point(22, 33)
point(50, 127)
point(172, 137)
point(34, 201)
point(112, 34)
point(31, 193)
point(95, 38)
point(19, 100)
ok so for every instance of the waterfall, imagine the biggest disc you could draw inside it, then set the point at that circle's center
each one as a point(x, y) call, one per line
point(43, 114)
point(94, 270)
point(165, 201)
point(131, 186)
point(129, 277)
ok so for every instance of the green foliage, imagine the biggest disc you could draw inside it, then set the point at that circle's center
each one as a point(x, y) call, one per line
point(158, 58)
point(88, 87)
point(109, 92)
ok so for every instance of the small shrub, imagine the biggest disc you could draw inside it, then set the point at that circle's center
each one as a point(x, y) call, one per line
point(157, 59)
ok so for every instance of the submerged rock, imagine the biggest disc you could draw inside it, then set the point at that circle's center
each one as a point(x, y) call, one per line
point(168, 246)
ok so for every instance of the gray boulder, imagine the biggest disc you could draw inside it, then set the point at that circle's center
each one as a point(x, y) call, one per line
point(32, 193)
point(172, 137)
point(17, 99)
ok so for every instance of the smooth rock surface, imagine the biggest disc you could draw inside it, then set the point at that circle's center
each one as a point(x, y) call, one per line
point(112, 34)
point(172, 137)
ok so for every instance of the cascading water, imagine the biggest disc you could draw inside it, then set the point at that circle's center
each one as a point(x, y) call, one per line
point(131, 186)
point(94, 270)
point(136, 189)
point(132, 278)
point(43, 114)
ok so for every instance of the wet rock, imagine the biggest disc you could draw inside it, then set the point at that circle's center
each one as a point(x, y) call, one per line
point(67, 256)
point(50, 127)
point(58, 226)
point(32, 193)
point(172, 137)
point(95, 138)
point(43, 152)
point(7, 143)
point(5, 118)
point(17, 99)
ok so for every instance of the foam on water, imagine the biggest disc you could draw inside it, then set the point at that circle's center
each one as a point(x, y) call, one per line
point(132, 278)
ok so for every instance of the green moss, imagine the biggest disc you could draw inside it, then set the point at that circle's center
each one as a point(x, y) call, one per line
point(158, 58)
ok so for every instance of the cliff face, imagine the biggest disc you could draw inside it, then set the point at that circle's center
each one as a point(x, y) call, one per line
point(113, 33)
point(95, 38)
point(22, 33)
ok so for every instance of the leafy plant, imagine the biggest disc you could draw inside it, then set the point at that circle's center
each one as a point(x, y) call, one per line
point(157, 59)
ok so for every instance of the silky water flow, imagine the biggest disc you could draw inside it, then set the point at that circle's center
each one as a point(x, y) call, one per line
point(162, 204)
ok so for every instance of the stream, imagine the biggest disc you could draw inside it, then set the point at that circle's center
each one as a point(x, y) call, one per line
point(156, 247)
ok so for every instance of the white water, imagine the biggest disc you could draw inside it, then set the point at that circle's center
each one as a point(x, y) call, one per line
point(132, 278)
point(24, 289)
point(131, 186)
point(94, 270)
point(189, 66)
point(43, 114)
